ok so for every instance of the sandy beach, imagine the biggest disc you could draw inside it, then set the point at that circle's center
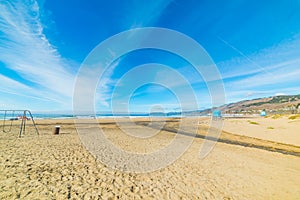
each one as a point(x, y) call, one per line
point(250, 161)
point(274, 128)
point(162, 100)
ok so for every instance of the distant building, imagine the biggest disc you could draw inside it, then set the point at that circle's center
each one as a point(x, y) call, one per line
point(216, 113)
point(263, 113)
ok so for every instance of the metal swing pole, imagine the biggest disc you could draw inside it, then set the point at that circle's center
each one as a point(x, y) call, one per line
point(37, 131)
point(4, 118)
point(22, 126)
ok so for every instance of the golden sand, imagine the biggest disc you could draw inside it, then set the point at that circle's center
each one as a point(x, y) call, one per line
point(243, 165)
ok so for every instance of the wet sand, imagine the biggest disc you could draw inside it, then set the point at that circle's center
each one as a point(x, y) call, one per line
point(59, 167)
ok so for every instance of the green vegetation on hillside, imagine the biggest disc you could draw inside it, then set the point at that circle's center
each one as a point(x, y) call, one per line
point(277, 99)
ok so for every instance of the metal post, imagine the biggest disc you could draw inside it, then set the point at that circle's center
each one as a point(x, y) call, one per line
point(4, 118)
point(21, 128)
point(11, 121)
point(25, 119)
point(37, 131)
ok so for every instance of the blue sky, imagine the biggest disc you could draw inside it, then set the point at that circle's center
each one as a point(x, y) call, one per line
point(254, 44)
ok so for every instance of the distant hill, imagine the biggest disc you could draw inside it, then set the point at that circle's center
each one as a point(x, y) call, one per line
point(274, 104)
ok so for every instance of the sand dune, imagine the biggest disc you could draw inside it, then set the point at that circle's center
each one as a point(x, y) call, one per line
point(59, 167)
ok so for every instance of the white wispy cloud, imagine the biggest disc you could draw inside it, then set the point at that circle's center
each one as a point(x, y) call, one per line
point(276, 70)
point(94, 82)
point(271, 71)
point(265, 61)
point(26, 50)
point(106, 85)
point(9, 86)
point(148, 14)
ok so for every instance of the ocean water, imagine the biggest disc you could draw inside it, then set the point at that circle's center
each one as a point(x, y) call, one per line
point(13, 115)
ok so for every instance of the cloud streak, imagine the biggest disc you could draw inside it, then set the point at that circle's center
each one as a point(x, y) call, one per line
point(148, 14)
point(26, 50)
point(105, 85)
point(272, 70)
point(276, 70)
point(265, 61)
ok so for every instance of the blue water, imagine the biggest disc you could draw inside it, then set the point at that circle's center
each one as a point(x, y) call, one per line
point(11, 115)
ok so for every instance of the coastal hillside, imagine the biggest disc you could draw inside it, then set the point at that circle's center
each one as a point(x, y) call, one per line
point(288, 104)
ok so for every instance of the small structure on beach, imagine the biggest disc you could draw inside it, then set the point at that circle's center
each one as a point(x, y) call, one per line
point(9, 116)
point(216, 114)
point(263, 113)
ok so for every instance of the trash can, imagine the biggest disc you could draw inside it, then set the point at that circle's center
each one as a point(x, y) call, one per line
point(56, 130)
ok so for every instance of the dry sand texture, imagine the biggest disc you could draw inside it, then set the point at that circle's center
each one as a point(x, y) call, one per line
point(274, 128)
point(59, 167)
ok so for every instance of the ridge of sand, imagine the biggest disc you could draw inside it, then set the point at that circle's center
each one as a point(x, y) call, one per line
point(246, 141)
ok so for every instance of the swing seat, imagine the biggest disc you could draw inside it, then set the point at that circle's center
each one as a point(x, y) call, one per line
point(13, 119)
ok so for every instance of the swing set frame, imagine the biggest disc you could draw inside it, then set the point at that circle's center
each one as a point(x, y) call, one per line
point(22, 117)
